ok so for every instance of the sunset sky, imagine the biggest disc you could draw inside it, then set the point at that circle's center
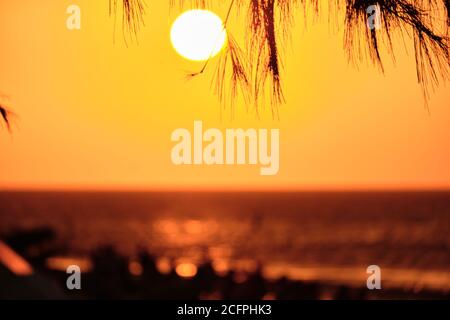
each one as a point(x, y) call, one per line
point(98, 115)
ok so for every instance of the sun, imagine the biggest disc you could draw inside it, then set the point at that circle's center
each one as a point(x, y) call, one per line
point(198, 35)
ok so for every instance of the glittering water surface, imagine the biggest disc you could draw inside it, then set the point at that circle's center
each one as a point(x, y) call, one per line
point(327, 236)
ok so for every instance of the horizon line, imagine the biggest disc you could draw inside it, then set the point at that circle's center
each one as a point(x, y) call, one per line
point(185, 189)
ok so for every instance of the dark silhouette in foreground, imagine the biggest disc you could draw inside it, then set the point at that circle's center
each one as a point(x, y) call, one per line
point(4, 113)
point(112, 277)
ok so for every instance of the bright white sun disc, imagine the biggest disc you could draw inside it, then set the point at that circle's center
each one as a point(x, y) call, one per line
point(198, 35)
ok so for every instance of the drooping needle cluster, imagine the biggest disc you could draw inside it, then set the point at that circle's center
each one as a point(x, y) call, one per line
point(251, 66)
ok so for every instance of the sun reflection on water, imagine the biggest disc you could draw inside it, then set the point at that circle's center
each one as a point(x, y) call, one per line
point(186, 270)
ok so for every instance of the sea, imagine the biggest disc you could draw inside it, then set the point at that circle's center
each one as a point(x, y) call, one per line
point(313, 236)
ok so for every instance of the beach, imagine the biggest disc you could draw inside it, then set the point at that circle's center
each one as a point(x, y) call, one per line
point(315, 237)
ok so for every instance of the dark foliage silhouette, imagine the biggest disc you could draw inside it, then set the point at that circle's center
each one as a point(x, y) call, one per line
point(258, 67)
point(5, 117)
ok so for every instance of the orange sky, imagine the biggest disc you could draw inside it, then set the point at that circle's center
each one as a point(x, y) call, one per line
point(98, 115)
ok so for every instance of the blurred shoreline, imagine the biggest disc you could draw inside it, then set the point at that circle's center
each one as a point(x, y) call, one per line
point(108, 275)
point(321, 241)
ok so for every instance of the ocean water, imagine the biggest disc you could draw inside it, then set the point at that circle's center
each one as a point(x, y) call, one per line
point(322, 236)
